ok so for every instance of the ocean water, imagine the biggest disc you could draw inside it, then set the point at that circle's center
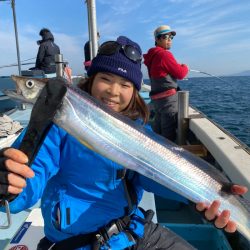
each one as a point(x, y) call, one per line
point(225, 101)
point(5, 105)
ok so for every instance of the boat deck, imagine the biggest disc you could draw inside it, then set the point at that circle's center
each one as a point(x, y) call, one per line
point(17, 220)
point(231, 155)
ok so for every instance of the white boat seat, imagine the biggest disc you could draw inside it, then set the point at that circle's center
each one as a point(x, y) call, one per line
point(148, 202)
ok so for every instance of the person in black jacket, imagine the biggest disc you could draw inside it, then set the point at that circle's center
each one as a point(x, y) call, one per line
point(87, 61)
point(45, 59)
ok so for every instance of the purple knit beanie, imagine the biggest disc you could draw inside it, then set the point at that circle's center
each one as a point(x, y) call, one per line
point(119, 64)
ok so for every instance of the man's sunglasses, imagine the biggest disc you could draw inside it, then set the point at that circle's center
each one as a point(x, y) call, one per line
point(167, 36)
point(111, 47)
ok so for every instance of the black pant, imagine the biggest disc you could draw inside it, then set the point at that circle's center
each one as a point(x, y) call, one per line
point(155, 238)
point(165, 117)
point(44, 244)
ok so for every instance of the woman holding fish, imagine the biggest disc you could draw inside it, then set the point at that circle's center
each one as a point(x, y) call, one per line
point(87, 200)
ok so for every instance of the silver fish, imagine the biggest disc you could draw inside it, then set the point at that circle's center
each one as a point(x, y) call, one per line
point(121, 140)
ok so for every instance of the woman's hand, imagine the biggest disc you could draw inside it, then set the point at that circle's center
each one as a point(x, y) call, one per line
point(13, 171)
point(221, 220)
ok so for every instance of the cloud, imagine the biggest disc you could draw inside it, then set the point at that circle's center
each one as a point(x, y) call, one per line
point(109, 29)
point(236, 47)
point(203, 28)
point(71, 48)
point(122, 7)
point(220, 35)
point(147, 20)
point(8, 50)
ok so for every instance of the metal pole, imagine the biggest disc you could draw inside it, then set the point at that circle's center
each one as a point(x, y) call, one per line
point(92, 28)
point(89, 30)
point(183, 105)
point(59, 65)
point(16, 34)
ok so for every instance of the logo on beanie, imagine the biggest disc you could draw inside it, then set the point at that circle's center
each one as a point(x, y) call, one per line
point(123, 70)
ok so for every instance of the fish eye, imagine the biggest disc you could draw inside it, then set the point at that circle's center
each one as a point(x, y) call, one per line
point(30, 84)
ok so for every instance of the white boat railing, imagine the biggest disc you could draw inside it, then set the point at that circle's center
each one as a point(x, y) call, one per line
point(230, 153)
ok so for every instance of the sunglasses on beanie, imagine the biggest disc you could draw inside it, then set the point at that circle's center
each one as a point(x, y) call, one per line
point(112, 47)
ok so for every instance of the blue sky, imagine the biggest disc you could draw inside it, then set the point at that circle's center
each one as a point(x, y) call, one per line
point(212, 36)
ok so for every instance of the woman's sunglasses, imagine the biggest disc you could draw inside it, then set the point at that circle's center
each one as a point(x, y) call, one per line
point(111, 47)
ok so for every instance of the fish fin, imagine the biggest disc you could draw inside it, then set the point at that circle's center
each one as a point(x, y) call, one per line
point(216, 173)
point(87, 145)
point(244, 202)
point(44, 80)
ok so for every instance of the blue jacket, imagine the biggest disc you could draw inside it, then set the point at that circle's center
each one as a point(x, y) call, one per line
point(82, 186)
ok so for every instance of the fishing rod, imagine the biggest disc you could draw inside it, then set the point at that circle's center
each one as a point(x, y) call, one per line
point(14, 65)
point(205, 73)
point(28, 59)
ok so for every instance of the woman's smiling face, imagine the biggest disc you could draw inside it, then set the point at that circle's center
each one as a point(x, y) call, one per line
point(114, 91)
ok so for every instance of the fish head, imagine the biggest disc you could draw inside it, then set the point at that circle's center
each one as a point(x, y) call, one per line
point(27, 89)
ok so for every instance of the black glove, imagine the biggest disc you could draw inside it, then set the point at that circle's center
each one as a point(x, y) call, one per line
point(4, 183)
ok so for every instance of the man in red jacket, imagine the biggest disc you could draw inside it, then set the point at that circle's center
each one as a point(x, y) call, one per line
point(163, 71)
